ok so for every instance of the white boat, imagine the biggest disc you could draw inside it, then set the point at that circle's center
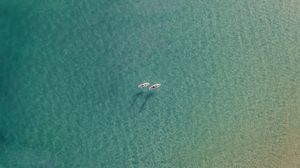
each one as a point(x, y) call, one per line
point(143, 85)
point(155, 86)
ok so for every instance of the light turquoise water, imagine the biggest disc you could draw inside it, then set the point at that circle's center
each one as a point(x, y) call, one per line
point(229, 73)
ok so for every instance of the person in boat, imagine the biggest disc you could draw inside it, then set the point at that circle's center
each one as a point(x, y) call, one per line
point(143, 85)
point(155, 86)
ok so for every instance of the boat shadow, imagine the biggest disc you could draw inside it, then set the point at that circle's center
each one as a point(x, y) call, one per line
point(138, 95)
point(147, 97)
point(135, 98)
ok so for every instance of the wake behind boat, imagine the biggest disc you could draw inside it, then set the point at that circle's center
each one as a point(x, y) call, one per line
point(155, 86)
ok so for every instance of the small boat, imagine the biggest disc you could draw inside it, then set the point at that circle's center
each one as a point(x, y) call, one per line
point(143, 85)
point(155, 86)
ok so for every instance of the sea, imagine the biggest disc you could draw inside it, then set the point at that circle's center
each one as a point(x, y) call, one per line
point(229, 74)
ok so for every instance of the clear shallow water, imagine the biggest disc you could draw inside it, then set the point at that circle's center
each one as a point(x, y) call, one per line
point(229, 74)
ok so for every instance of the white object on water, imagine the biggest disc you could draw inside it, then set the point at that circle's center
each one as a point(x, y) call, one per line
point(155, 86)
point(143, 85)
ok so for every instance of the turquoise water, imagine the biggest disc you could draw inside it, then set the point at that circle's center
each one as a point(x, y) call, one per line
point(229, 72)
